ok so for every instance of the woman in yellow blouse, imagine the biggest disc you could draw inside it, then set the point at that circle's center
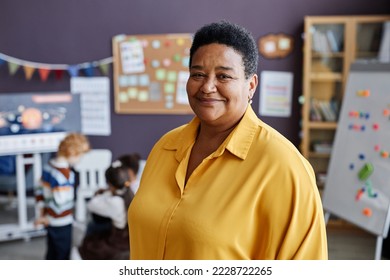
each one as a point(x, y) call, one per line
point(226, 185)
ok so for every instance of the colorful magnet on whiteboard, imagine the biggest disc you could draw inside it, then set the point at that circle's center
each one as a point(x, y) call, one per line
point(359, 194)
point(353, 114)
point(365, 171)
point(376, 148)
point(367, 212)
point(386, 112)
point(363, 93)
point(384, 154)
point(361, 156)
point(375, 126)
point(369, 189)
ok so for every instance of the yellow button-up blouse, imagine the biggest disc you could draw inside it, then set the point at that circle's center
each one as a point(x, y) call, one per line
point(255, 197)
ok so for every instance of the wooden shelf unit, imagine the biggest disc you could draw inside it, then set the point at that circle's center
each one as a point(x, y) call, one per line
point(331, 44)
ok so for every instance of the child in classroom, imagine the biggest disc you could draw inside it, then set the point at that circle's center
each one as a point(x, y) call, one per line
point(112, 243)
point(100, 223)
point(55, 196)
point(132, 162)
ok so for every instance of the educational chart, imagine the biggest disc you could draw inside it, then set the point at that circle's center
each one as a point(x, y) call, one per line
point(95, 104)
point(150, 73)
point(37, 122)
point(357, 187)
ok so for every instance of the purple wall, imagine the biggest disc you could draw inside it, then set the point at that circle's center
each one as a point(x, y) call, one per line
point(74, 31)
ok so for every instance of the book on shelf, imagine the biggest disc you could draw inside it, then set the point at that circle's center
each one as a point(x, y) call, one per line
point(334, 45)
point(322, 147)
point(326, 41)
point(323, 110)
point(384, 49)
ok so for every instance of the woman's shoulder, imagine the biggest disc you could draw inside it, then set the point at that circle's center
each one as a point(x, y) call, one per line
point(171, 136)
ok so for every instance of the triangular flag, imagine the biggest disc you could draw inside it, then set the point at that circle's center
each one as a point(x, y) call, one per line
point(12, 67)
point(73, 70)
point(104, 69)
point(58, 74)
point(88, 71)
point(44, 73)
point(28, 71)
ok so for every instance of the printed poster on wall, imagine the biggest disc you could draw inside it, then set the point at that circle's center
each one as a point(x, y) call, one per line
point(95, 104)
point(275, 93)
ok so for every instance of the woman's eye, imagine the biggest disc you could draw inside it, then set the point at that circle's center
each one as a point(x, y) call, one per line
point(224, 77)
point(197, 75)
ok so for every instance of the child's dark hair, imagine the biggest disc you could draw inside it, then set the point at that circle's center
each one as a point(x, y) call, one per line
point(231, 35)
point(131, 161)
point(117, 175)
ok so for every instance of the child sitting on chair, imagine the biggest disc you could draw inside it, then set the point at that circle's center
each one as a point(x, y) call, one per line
point(112, 204)
point(55, 196)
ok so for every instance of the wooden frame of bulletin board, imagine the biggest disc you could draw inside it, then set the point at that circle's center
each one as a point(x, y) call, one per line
point(150, 73)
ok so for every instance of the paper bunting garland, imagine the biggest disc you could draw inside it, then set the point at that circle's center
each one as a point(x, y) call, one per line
point(73, 70)
point(58, 73)
point(88, 71)
point(44, 69)
point(12, 67)
point(28, 71)
point(44, 73)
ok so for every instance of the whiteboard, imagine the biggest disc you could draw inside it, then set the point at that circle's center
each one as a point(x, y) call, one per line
point(357, 187)
point(37, 122)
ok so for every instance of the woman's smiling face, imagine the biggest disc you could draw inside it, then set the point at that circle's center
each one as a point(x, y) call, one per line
point(217, 89)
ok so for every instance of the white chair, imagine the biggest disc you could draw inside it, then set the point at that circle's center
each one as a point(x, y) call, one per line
point(91, 169)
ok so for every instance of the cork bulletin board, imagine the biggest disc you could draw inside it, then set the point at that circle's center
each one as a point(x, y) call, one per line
point(150, 73)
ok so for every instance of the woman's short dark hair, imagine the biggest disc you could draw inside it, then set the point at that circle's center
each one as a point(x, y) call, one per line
point(231, 35)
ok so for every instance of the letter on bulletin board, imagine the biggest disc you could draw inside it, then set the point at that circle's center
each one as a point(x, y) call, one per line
point(150, 73)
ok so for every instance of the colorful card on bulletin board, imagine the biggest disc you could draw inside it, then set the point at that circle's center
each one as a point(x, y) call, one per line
point(150, 73)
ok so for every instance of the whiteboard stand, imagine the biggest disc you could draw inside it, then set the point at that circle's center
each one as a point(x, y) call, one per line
point(23, 229)
point(379, 238)
point(378, 249)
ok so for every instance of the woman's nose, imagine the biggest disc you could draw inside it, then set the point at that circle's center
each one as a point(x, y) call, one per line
point(208, 85)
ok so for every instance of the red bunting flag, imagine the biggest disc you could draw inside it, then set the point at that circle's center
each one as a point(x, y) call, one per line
point(58, 73)
point(44, 73)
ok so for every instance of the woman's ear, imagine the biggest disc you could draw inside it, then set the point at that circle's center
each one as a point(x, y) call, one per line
point(253, 81)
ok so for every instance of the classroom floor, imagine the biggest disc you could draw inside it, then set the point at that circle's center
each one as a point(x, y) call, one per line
point(344, 243)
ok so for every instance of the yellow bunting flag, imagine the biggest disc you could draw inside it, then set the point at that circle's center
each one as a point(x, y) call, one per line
point(44, 73)
point(28, 71)
point(12, 67)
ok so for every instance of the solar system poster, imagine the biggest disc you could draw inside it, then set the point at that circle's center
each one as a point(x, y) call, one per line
point(32, 122)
